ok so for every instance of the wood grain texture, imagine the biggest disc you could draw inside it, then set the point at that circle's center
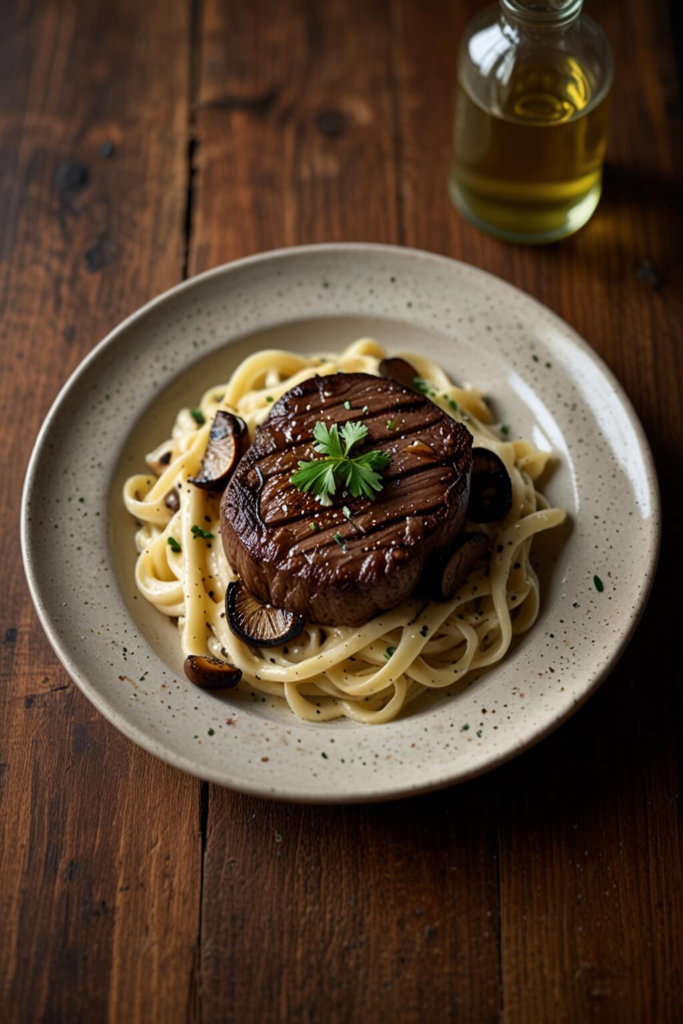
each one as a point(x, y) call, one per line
point(551, 890)
point(582, 863)
point(294, 127)
point(378, 913)
point(99, 843)
point(323, 904)
point(591, 886)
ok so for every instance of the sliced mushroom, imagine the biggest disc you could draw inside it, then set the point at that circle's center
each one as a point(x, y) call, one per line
point(257, 623)
point(399, 370)
point(211, 673)
point(490, 488)
point(158, 464)
point(172, 500)
point(468, 550)
point(228, 441)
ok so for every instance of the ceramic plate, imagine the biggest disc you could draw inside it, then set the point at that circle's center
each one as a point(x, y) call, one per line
point(543, 379)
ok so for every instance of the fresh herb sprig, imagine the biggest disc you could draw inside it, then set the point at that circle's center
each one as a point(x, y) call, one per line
point(358, 473)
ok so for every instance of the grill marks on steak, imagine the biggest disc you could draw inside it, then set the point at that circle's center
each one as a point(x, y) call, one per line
point(266, 521)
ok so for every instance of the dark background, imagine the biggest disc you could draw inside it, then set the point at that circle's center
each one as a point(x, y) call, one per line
point(142, 141)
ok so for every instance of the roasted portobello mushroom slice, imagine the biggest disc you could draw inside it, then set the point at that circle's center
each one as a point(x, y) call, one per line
point(211, 673)
point(257, 623)
point(228, 441)
point(490, 488)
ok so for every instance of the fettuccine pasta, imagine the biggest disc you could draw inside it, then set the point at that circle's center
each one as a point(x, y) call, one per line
point(368, 673)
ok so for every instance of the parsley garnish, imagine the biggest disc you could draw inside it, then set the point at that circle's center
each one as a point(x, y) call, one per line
point(198, 417)
point(390, 424)
point(424, 387)
point(599, 585)
point(504, 429)
point(347, 404)
point(389, 651)
point(174, 545)
point(269, 398)
point(314, 527)
point(346, 512)
point(198, 532)
point(359, 473)
point(340, 541)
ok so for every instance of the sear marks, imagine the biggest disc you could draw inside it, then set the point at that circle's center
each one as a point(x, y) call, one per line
point(345, 563)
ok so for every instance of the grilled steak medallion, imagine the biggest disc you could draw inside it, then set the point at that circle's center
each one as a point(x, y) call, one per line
point(299, 555)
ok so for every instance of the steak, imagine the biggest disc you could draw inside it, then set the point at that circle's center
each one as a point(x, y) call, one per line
point(297, 554)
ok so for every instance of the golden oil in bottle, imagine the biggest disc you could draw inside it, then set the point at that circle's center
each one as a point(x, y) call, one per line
point(531, 122)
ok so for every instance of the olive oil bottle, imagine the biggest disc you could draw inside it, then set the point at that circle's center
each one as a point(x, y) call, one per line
point(531, 115)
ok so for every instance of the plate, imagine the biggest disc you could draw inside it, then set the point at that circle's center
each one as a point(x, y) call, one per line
point(543, 379)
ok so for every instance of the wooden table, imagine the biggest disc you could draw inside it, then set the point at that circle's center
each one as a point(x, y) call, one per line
point(146, 140)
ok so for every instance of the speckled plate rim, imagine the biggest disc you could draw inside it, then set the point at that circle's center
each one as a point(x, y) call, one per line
point(297, 794)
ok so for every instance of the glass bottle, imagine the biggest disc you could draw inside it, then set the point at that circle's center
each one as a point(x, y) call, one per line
point(532, 105)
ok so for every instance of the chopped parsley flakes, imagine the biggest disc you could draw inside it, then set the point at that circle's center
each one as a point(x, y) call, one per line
point(424, 387)
point(198, 417)
point(174, 545)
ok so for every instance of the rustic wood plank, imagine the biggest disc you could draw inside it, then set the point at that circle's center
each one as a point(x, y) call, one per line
point(604, 914)
point(591, 886)
point(318, 914)
point(320, 122)
point(294, 128)
point(337, 914)
point(99, 843)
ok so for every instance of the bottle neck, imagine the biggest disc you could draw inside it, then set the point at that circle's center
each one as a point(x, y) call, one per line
point(541, 14)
